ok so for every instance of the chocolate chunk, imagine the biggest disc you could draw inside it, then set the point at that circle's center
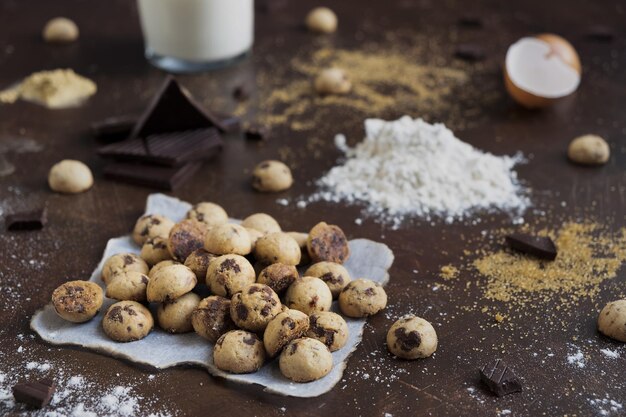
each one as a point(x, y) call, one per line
point(470, 21)
point(407, 340)
point(470, 52)
point(539, 246)
point(164, 178)
point(257, 132)
point(242, 311)
point(600, 33)
point(113, 129)
point(35, 394)
point(500, 378)
point(27, 220)
point(241, 93)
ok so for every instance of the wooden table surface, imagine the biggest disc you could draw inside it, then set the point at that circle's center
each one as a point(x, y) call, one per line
point(110, 51)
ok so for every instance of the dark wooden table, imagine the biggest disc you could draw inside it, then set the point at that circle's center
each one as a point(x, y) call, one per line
point(32, 264)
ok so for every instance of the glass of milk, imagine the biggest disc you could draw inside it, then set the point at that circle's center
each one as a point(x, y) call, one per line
point(196, 35)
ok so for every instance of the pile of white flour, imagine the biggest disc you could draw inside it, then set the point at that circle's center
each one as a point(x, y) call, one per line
point(410, 167)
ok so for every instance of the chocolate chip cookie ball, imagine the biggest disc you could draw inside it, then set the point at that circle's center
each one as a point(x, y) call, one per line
point(128, 286)
point(169, 283)
point(185, 237)
point(271, 177)
point(239, 352)
point(198, 261)
point(301, 239)
point(211, 318)
point(123, 262)
point(282, 329)
point(362, 298)
point(305, 360)
point(277, 248)
point(329, 328)
point(228, 238)
point(156, 268)
point(175, 316)
point(127, 321)
point(589, 150)
point(77, 301)
point(70, 177)
point(278, 277)
point(254, 307)
point(262, 222)
point(150, 226)
point(412, 337)
point(333, 274)
point(155, 250)
point(309, 295)
point(60, 30)
point(332, 81)
point(229, 274)
point(612, 320)
point(208, 213)
point(321, 20)
point(327, 242)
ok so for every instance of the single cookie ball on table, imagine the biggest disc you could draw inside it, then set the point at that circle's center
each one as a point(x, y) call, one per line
point(412, 337)
point(332, 81)
point(301, 239)
point(70, 177)
point(321, 20)
point(612, 320)
point(208, 213)
point(327, 242)
point(305, 360)
point(169, 283)
point(362, 298)
point(185, 237)
point(127, 321)
point(309, 295)
point(211, 318)
point(254, 307)
point(228, 239)
point(128, 286)
point(333, 274)
point(60, 30)
point(278, 277)
point(284, 328)
point(198, 261)
point(156, 268)
point(271, 177)
point(229, 274)
point(239, 352)
point(329, 328)
point(155, 250)
point(175, 316)
point(277, 248)
point(151, 226)
point(589, 150)
point(77, 301)
point(262, 222)
point(123, 262)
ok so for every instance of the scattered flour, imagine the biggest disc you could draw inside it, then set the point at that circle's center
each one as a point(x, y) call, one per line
point(606, 406)
point(613, 354)
point(577, 359)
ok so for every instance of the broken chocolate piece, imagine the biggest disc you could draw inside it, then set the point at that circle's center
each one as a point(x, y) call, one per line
point(470, 21)
point(257, 132)
point(161, 177)
point(600, 33)
point(470, 52)
point(113, 129)
point(35, 394)
point(500, 378)
point(27, 220)
point(241, 93)
point(540, 246)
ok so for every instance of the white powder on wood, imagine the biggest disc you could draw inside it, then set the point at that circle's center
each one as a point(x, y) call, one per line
point(410, 167)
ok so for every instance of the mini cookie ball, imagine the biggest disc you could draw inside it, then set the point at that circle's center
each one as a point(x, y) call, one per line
point(412, 337)
point(612, 320)
point(155, 250)
point(229, 274)
point(329, 328)
point(333, 274)
point(262, 222)
point(151, 226)
point(127, 321)
point(228, 238)
point(278, 277)
point(301, 239)
point(211, 318)
point(175, 316)
point(198, 261)
point(282, 329)
point(305, 360)
point(309, 295)
point(156, 268)
point(70, 177)
point(332, 81)
point(254, 236)
point(60, 30)
point(321, 20)
point(362, 298)
point(169, 283)
point(185, 237)
point(239, 352)
point(128, 286)
point(589, 150)
point(271, 177)
point(208, 213)
point(254, 307)
point(327, 242)
point(123, 262)
point(77, 301)
point(277, 248)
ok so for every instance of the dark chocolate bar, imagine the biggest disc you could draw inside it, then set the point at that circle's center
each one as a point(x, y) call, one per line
point(35, 394)
point(113, 129)
point(34, 219)
point(161, 177)
point(539, 246)
point(500, 378)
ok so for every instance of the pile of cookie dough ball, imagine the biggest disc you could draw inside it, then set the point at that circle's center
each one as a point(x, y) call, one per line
point(259, 306)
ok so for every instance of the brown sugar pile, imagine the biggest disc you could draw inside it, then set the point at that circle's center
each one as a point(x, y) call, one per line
point(449, 272)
